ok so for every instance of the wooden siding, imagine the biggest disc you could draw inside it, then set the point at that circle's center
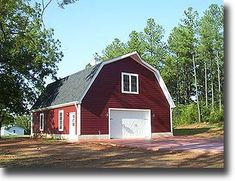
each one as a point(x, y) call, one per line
point(106, 93)
point(51, 120)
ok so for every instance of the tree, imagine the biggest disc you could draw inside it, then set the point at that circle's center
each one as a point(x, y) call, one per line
point(212, 51)
point(23, 122)
point(61, 4)
point(182, 42)
point(191, 64)
point(136, 43)
point(154, 47)
point(170, 76)
point(196, 87)
point(28, 54)
point(148, 44)
point(115, 49)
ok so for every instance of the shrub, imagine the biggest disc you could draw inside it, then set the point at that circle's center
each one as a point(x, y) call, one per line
point(205, 113)
point(216, 116)
point(185, 114)
point(211, 116)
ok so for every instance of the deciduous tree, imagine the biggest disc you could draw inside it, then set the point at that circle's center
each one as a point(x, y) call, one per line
point(28, 54)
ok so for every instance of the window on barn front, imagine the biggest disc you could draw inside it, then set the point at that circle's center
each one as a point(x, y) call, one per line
point(41, 122)
point(130, 83)
point(61, 120)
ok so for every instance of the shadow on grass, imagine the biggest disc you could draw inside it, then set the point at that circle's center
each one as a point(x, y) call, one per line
point(188, 131)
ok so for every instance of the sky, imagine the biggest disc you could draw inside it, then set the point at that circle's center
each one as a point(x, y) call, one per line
point(88, 26)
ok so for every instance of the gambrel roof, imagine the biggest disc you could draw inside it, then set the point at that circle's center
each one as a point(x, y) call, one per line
point(74, 87)
point(68, 89)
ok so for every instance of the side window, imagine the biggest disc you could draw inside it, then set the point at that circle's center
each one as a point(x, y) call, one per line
point(130, 83)
point(61, 120)
point(41, 122)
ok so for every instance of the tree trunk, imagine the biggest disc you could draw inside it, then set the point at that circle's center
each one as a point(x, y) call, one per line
point(195, 78)
point(206, 85)
point(1, 119)
point(177, 80)
point(218, 71)
point(212, 89)
point(185, 88)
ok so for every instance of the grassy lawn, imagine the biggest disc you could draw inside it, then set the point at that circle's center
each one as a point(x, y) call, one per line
point(26, 152)
point(205, 130)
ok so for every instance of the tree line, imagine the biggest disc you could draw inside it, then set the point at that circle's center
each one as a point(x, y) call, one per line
point(191, 61)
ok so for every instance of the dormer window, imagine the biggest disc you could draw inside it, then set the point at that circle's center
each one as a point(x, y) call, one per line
point(130, 83)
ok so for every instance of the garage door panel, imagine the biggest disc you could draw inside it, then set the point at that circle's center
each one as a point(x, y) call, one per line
point(133, 128)
point(130, 124)
point(115, 126)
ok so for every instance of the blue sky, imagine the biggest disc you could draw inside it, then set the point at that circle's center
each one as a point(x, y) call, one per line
point(88, 26)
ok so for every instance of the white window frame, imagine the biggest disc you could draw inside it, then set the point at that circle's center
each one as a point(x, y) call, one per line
point(137, 83)
point(61, 111)
point(41, 121)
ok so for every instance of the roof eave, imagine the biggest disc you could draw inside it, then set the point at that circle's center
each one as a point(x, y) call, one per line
point(56, 106)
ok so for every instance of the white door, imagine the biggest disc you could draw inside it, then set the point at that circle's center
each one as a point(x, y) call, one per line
point(72, 125)
point(130, 123)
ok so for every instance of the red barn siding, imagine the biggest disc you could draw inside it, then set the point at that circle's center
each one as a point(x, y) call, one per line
point(51, 120)
point(105, 93)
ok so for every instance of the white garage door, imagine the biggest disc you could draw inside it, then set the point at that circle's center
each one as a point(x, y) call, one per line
point(130, 123)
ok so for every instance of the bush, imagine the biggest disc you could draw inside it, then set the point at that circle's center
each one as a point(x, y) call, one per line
point(185, 114)
point(212, 116)
point(216, 116)
point(205, 113)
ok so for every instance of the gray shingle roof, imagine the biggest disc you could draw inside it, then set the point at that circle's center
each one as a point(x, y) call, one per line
point(68, 89)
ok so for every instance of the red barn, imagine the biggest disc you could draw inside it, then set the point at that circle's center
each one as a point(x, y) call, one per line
point(121, 98)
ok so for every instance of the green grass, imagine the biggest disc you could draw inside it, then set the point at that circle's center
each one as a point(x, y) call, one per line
point(15, 136)
point(187, 131)
point(200, 129)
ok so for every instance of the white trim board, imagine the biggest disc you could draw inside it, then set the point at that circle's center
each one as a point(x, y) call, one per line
point(55, 106)
point(171, 122)
point(78, 108)
point(162, 134)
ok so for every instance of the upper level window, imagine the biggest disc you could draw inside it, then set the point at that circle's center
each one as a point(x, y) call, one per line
point(61, 120)
point(41, 121)
point(130, 83)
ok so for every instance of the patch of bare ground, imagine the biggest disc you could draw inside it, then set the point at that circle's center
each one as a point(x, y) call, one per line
point(25, 152)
